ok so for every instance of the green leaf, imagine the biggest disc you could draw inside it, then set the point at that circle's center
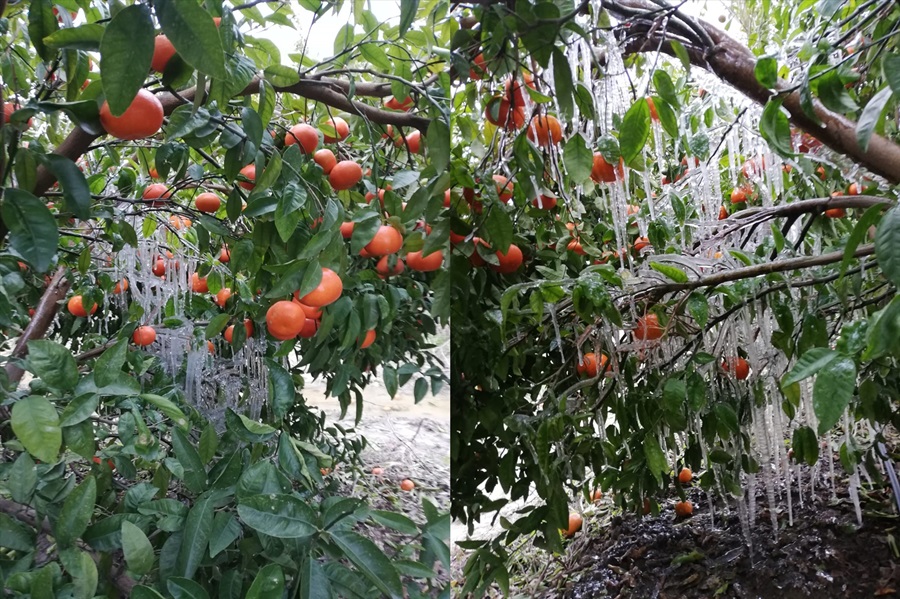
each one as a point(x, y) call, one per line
point(282, 393)
point(189, 458)
point(168, 408)
point(84, 37)
point(635, 131)
point(887, 245)
point(53, 363)
point(195, 37)
point(698, 306)
point(891, 68)
point(834, 95)
point(36, 425)
point(656, 459)
point(32, 230)
point(41, 23)
point(499, 228)
point(83, 571)
point(75, 188)
point(216, 325)
point(883, 333)
point(287, 212)
point(108, 367)
point(805, 445)
point(137, 549)
point(833, 391)
point(871, 115)
point(184, 588)
point(396, 521)
point(860, 230)
point(79, 409)
point(438, 138)
point(15, 535)
point(371, 561)
point(665, 88)
point(280, 516)
point(667, 117)
point(197, 529)
point(578, 158)
point(376, 56)
point(76, 512)
point(775, 128)
point(314, 582)
point(281, 76)
point(126, 51)
point(268, 584)
point(682, 54)
point(142, 592)
point(766, 71)
point(226, 530)
point(672, 272)
point(809, 364)
point(408, 9)
point(562, 77)
point(389, 374)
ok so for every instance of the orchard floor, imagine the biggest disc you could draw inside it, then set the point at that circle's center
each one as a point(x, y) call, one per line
point(824, 555)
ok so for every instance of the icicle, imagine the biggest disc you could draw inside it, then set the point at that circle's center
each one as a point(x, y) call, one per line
point(853, 488)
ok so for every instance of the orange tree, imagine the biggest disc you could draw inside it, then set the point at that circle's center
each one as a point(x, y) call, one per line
point(662, 256)
point(189, 228)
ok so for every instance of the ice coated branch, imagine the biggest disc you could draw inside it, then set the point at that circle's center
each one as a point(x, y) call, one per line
point(734, 63)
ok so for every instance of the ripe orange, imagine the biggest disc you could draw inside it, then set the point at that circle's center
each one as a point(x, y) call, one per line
point(303, 134)
point(210, 347)
point(854, 190)
point(248, 326)
point(596, 496)
point(544, 202)
point(159, 267)
point(180, 222)
point(641, 243)
point(207, 202)
point(479, 68)
point(310, 311)
point(653, 114)
point(575, 246)
point(504, 188)
point(723, 213)
point(648, 328)
point(144, 336)
point(510, 261)
point(429, 263)
point(285, 319)
point(395, 104)
point(683, 509)
point(328, 291)
point(198, 284)
point(413, 142)
point(740, 366)
point(604, 171)
point(645, 508)
point(121, 286)
point(387, 240)
point(224, 255)
point(407, 485)
point(163, 51)
point(248, 172)
point(740, 194)
point(377, 471)
point(497, 112)
point(340, 127)
point(369, 339)
point(835, 213)
point(384, 270)
point(575, 523)
point(310, 326)
point(685, 476)
point(345, 175)
point(157, 193)
point(76, 308)
point(588, 365)
point(326, 159)
point(143, 117)
point(545, 130)
point(347, 229)
point(222, 297)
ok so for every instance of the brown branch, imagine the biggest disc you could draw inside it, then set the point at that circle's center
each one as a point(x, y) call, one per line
point(734, 63)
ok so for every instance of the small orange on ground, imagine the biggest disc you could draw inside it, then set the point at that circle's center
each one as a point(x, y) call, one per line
point(303, 134)
point(384, 270)
point(683, 509)
point(429, 263)
point(285, 319)
point(326, 159)
point(387, 240)
point(740, 366)
point(510, 261)
point(407, 485)
point(249, 172)
point(163, 51)
point(648, 328)
point(198, 284)
point(345, 174)
point(340, 127)
point(369, 339)
point(377, 471)
point(121, 286)
point(327, 292)
point(144, 336)
point(222, 297)
point(142, 118)
point(685, 476)
point(76, 308)
point(207, 202)
point(575, 523)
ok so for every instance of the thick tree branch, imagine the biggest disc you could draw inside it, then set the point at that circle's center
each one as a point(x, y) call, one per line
point(734, 63)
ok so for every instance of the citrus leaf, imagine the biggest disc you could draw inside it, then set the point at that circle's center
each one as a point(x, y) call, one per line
point(194, 34)
point(833, 391)
point(887, 245)
point(635, 131)
point(280, 516)
point(438, 138)
point(268, 584)
point(197, 529)
point(108, 367)
point(41, 23)
point(137, 549)
point(189, 458)
point(74, 186)
point(871, 115)
point(672, 272)
point(184, 588)
point(775, 128)
point(53, 363)
point(126, 51)
point(76, 512)
point(32, 230)
point(860, 230)
point(408, 9)
point(833, 94)
point(766, 71)
point(282, 393)
point(578, 159)
point(656, 459)
point(84, 37)
point(809, 364)
point(371, 561)
point(891, 68)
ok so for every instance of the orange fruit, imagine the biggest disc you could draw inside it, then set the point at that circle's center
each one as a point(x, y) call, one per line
point(545, 130)
point(413, 142)
point(121, 286)
point(210, 347)
point(310, 311)
point(653, 115)
point(597, 495)
point(142, 118)
point(479, 68)
point(326, 159)
point(683, 509)
point(224, 255)
point(395, 104)
point(604, 171)
point(854, 190)
point(222, 297)
point(740, 366)
point(377, 471)
point(497, 112)
point(345, 175)
point(632, 209)
point(285, 319)
point(407, 485)
point(248, 172)
point(387, 240)
point(388, 133)
point(198, 284)
point(340, 127)
point(740, 194)
point(248, 326)
point(641, 243)
point(207, 202)
point(648, 328)
point(723, 213)
point(159, 267)
point(575, 523)
point(310, 326)
point(163, 51)
point(76, 308)
point(645, 508)
point(157, 193)
point(384, 270)
point(685, 476)
point(302, 134)
point(369, 339)
point(575, 246)
point(504, 188)
point(144, 336)
point(180, 222)
point(544, 202)
point(835, 213)
point(588, 365)
point(347, 229)
point(327, 292)
point(429, 263)
point(510, 261)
